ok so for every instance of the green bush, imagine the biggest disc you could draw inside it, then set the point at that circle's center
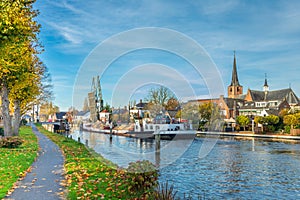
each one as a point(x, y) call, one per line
point(142, 177)
point(24, 122)
point(287, 129)
point(10, 142)
point(271, 128)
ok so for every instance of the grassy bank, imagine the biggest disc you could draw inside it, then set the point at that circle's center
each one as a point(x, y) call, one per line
point(16, 161)
point(90, 176)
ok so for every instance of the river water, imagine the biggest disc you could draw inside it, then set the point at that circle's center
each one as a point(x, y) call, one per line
point(212, 168)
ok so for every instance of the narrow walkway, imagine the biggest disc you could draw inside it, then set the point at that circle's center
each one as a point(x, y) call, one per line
point(43, 182)
point(241, 134)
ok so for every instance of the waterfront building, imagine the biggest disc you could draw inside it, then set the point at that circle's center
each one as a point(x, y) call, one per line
point(259, 103)
point(266, 102)
point(229, 106)
point(58, 116)
point(82, 116)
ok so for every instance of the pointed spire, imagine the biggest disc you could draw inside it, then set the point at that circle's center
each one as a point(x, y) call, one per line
point(266, 82)
point(234, 80)
point(266, 87)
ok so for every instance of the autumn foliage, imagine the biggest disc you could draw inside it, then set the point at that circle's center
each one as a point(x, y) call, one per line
point(10, 142)
point(21, 70)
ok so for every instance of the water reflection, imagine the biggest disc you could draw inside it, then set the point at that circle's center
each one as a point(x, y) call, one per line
point(123, 150)
point(236, 168)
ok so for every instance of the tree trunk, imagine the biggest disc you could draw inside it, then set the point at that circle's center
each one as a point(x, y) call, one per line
point(5, 111)
point(33, 113)
point(17, 115)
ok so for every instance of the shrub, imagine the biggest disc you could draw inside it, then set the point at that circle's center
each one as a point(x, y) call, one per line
point(24, 122)
point(142, 176)
point(287, 129)
point(271, 128)
point(138, 181)
point(164, 192)
point(10, 142)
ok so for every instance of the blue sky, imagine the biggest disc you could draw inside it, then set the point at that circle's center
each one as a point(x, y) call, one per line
point(264, 34)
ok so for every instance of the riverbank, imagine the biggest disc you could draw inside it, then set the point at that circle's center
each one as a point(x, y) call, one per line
point(90, 176)
point(250, 134)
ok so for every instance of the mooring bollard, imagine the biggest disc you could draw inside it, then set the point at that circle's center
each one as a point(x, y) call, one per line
point(157, 149)
point(110, 131)
point(157, 142)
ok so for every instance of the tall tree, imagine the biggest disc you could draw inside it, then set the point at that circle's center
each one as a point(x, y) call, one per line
point(158, 99)
point(18, 50)
point(160, 96)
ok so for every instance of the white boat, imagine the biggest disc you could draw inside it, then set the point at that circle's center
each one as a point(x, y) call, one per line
point(166, 131)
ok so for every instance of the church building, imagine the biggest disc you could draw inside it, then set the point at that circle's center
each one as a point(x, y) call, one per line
point(260, 103)
point(254, 102)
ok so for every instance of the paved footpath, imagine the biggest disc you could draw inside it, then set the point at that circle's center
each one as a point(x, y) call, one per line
point(43, 182)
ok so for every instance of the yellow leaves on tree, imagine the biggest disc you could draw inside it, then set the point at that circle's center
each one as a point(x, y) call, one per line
point(20, 68)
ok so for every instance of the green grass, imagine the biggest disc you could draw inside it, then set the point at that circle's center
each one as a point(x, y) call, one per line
point(90, 176)
point(15, 162)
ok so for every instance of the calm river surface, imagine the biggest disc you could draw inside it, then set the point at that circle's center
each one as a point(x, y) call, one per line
point(231, 168)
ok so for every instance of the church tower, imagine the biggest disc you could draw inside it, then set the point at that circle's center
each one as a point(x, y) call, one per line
point(234, 89)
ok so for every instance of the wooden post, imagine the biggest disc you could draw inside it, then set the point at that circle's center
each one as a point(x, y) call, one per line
point(110, 132)
point(157, 149)
point(157, 142)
